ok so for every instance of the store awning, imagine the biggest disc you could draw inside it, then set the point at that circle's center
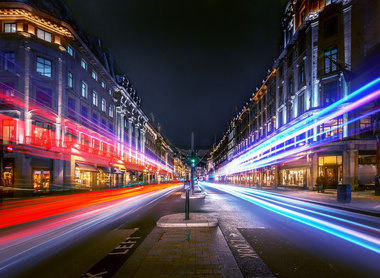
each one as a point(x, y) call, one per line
point(105, 169)
point(86, 167)
point(133, 167)
point(117, 171)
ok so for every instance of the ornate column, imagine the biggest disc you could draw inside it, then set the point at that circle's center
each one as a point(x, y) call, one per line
point(350, 166)
point(130, 121)
point(59, 110)
point(314, 63)
point(58, 164)
point(142, 142)
point(27, 114)
point(137, 136)
point(122, 115)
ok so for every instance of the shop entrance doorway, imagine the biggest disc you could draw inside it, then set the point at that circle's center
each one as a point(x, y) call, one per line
point(331, 174)
point(41, 180)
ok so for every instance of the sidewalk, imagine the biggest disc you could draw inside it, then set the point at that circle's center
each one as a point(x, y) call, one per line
point(365, 201)
point(183, 248)
point(197, 248)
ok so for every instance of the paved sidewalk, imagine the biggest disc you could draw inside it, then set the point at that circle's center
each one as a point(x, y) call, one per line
point(360, 200)
point(182, 252)
point(197, 248)
point(195, 220)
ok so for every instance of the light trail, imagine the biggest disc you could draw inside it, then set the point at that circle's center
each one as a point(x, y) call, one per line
point(35, 239)
point(297, 152)
point(59, 142)
point(357, 233)
point(360, 97)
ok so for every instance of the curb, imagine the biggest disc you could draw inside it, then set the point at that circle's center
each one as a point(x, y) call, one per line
point(194, 196)
point(196, 220)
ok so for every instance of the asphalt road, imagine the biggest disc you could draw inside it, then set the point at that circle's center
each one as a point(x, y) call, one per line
point(265, 241)
point(73, 242)
point(290, 248)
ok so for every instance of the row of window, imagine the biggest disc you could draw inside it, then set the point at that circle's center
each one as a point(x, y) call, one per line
point(95, 97)
point(41, 34)
point(83, 64)
point(44, 66)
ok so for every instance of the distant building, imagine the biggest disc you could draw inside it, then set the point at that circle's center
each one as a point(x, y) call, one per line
point(69, 113)
point(330, 49)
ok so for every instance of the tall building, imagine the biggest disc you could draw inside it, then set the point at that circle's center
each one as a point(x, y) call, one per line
point(70, 115)
point(309, 118)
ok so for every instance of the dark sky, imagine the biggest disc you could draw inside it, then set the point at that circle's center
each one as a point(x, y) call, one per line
point(193, 62)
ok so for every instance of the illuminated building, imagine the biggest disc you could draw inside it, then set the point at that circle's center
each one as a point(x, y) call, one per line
point(70, 114)
point(329, 50)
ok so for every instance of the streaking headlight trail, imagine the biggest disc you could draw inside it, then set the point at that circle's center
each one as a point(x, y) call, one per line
point(354, 232)
point(271, 150)
point(35, 238)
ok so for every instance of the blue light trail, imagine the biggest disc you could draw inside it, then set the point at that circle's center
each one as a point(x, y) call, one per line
point(357, 233)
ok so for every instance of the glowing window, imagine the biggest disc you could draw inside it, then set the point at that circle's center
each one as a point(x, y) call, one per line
point(94, 98)
point(84, 90)
point(94, 75)
point(43, 35)
point(70, 50)
point(10, 27)
point(70, 79)
point(83, 64)
point(104, 105)
point(110, 111)
point(43, 66)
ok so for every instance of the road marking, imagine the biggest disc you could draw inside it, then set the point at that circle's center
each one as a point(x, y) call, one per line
point(246, 257)
point(99, 275)
point(111, 263)
point(124, 246)
point(238, 244)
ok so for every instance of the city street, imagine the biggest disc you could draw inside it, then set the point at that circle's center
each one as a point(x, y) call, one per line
point(268, 234)
point(111, 112)
point(290, 248)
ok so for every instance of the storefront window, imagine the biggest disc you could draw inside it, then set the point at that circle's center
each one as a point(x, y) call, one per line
point(41, 180)
point(293, 177)
point(82, 178)
point(8, 177)
point(331, 168)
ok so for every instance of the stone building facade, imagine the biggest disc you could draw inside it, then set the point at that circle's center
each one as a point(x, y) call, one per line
point(313, 114)
point(71, 116)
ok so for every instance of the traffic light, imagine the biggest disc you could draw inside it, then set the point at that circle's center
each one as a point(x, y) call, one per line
point(193, 159)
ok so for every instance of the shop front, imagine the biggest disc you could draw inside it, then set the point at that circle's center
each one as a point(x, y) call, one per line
point(367, 169)
point(85, 175)
point(42, 173)
point(294, 177)
point(41, 180)
point(104, 177)
point(118, 177)
point(330, 167)
point(8, 177)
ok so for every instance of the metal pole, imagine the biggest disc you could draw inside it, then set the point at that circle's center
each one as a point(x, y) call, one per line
point(192, 167)
point(187, 205)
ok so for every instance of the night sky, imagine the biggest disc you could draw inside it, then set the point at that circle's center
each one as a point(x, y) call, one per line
point(194, 63)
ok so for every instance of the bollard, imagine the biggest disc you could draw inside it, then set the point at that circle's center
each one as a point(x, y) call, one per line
point(187, 205)
point(343, 193)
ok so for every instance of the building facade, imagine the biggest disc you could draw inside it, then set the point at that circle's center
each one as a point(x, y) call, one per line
point(70, 115)
point(311, 116)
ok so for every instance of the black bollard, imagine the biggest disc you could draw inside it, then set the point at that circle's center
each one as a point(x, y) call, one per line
point(187, 205)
